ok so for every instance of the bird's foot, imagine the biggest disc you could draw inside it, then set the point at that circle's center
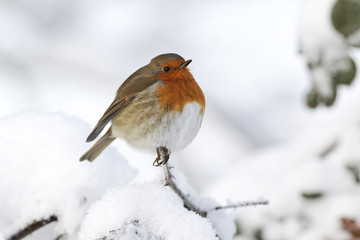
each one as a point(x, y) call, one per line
point(163, 155)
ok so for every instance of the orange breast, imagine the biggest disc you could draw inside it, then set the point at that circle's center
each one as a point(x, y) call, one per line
point(179, 89)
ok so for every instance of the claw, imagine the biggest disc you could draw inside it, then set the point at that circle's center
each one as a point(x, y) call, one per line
point(156, 162)
point(162, 158)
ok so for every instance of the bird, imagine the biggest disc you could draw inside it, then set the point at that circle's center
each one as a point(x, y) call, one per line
point(160, 107)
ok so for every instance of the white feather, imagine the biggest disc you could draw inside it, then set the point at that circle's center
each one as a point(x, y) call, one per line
point(174, 130)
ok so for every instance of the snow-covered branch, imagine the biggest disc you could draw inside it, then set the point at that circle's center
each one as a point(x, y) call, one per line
point(32, 227)
point(241, 204)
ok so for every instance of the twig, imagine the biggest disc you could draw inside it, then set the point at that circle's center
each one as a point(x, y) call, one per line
point(190, 206)
point(33, 227)
point(329, 149)
point(59, 237)
point(187, 204)
point(241, 204)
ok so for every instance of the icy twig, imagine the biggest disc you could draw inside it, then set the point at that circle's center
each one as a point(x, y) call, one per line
point(59, 237)
point(33, 227)
point(241, 204)
point(190, 206)
point(187, 204)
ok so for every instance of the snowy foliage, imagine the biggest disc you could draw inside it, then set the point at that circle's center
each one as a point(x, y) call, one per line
point(326, 51)
point(315, 183)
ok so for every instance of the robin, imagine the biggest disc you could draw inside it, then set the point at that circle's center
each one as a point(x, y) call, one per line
point(159, 107)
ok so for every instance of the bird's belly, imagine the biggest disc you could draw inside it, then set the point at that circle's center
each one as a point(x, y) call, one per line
point(148, 127)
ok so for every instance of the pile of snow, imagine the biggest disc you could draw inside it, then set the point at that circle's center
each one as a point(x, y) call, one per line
point(152, 211)
point(40, 173)
point(145, 211)
point(41, 176)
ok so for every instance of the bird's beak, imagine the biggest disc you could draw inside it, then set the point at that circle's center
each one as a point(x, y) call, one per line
point(184, 64)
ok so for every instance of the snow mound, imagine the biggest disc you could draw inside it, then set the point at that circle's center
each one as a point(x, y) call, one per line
point(41, 175)
point(145, 211)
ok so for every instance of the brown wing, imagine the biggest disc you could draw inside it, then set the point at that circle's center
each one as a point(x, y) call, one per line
point(125, 95)
point(115, 107)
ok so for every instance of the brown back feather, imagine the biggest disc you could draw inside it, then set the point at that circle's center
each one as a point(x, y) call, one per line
point(124, 96)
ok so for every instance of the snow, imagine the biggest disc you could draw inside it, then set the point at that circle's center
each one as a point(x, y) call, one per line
point(221, 221)
point(325, 49)
point(144, 211)
point(45, 148)
point(301, 167)
point(62, 61)
point(317, 34)
point(41, 174)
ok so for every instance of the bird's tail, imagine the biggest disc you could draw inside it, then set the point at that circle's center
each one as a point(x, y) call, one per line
point(98, 147)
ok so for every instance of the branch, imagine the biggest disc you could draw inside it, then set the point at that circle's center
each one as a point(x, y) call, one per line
point(59, 237)
point(33, 227)
point(190, 206)
point(241, 204)
point(187, 204)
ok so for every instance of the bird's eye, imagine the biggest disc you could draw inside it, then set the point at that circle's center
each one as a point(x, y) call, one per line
point(166, 69)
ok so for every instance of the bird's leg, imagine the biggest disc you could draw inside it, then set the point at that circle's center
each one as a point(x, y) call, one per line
point(156, 162)
point(170, 182)
point(163, 155)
